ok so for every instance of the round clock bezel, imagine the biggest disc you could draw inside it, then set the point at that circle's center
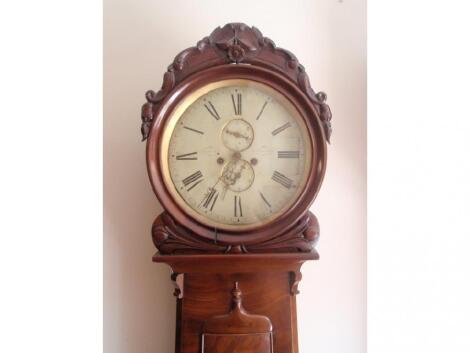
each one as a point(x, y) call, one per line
point(172, 122)
point(281, 85)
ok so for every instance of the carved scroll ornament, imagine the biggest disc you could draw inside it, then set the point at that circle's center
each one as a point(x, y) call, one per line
point(171, 238)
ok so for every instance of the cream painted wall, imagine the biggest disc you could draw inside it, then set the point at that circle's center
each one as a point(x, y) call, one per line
point(141, 37)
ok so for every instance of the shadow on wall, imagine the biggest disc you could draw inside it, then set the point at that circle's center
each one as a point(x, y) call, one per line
point(139, 308)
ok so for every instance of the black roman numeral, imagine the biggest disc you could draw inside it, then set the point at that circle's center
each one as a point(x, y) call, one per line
point(187, 157)
point(282, 179)
point(262, 109)
point(288, 154)
point(237, 206)
point(193, 130)
point(193, 179)
point(264, 199)
point(237, 107)
point(210, 198)
point(211, 109)
point(280, 129)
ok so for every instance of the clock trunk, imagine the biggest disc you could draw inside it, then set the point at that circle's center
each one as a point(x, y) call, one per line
point(204, 290)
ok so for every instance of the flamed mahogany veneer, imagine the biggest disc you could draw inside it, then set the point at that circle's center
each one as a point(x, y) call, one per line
point(237, 331)
point(204, 290)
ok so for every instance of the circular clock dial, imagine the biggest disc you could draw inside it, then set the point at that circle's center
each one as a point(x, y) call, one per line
point(236, 154)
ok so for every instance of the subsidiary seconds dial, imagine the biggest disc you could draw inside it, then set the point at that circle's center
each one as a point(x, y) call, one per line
point(236, 154)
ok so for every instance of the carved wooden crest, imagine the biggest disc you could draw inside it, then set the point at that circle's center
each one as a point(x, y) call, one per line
point(239, 44)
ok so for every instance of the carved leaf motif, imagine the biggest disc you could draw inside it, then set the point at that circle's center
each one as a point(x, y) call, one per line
point(301, 238)
point(153, 101)
point(147, 117)
point(237, 34)
point(170, 238)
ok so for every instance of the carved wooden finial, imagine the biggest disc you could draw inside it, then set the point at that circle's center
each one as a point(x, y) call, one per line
point(236, 294)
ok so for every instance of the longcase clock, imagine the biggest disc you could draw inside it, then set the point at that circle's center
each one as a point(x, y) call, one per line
point(236, 153)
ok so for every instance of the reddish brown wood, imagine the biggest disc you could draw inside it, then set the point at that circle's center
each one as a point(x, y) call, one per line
point(237, 331)
point(308, 112)
point(239, 263)
point(171, 238)
point(242, 343)
point(268, 282)
point(238, 320)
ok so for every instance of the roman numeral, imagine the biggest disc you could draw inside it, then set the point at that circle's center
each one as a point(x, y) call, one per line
point(194, 179)
point(237, 206)
point(237, 107)
point(210, 198)
point(194, 130)
point(264, 199)
point(262, 109)
point(280, 129)
point(187, 157)
point(211, 109)
point(282, 179)
point(288, 154)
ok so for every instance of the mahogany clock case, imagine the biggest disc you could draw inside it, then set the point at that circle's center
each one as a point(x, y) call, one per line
point(281, 85)
point(215, 269)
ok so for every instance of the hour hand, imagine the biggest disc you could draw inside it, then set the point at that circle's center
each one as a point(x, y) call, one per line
point(236, 134)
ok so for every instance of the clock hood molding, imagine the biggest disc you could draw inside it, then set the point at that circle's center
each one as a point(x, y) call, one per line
point(234, 43)
point(236, 51)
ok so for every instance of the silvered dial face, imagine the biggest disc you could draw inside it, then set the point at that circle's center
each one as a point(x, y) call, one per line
point(237, 154)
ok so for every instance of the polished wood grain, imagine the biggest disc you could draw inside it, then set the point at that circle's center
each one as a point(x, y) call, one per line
point(268, 282)
point(237, 331)
point(238, 320)
point(243, 343)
